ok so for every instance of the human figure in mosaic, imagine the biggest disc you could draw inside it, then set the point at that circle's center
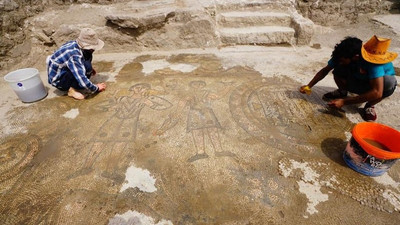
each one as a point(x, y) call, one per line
point(120, 130)
point(201, 119)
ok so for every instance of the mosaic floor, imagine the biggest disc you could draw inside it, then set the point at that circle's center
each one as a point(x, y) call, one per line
point(183, 139)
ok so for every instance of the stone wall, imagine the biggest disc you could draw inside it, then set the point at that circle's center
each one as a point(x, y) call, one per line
point(336, 12)
point(13, 14)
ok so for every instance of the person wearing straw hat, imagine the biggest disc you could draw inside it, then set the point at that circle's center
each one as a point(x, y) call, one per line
point(70, 67)
point(366, 70)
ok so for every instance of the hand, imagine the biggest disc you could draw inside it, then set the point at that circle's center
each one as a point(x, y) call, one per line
point(337, 103)
point(305, 89)
point(102, 86)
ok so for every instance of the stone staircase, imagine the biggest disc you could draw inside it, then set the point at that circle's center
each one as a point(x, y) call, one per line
point(264, 23)
point(170, 24)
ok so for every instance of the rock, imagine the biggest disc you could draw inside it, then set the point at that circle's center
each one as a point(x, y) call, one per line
point(8, 5)
point(21, 50)
point(341, 11)
point(65, 33)
point(304, 28)
point(193, 34)
point(141, 20)
point(5, 44)
point(48, 32)
point(44, 38)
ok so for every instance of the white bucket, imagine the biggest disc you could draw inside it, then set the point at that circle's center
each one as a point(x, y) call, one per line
point(27, 84)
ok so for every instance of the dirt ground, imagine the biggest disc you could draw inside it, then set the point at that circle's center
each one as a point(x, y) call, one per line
point(136, 154)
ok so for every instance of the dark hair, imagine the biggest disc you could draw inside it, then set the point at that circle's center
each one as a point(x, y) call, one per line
point(347, 48)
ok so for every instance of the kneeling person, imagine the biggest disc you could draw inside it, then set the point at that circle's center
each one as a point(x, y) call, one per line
point(366, 70)
point(70, 67)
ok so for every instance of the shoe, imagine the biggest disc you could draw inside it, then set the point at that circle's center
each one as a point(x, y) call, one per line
point(335, 94)
point(75, 94)
point(369, 113)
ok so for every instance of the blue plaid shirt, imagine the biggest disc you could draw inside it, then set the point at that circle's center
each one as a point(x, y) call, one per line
point(69, 56)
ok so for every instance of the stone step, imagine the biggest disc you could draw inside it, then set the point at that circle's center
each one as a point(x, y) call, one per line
point(246, 18)
point(253, 5)
point(262, 35)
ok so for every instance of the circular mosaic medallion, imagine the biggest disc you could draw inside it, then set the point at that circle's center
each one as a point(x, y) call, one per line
point(279, 115)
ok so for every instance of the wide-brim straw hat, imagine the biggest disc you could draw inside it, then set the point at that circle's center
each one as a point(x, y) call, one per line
point(375, 50)
point(88, 40)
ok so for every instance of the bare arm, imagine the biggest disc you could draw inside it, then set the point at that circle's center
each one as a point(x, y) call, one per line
point(75, 65)
point(318, 77)
point(375, 93)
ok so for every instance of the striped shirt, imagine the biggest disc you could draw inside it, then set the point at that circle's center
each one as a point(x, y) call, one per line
point(68, 57)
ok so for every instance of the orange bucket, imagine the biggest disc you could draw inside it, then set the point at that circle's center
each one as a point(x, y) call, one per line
point(382, 134)
point(373, 148)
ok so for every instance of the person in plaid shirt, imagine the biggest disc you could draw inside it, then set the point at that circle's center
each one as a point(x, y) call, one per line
point(70, 67)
